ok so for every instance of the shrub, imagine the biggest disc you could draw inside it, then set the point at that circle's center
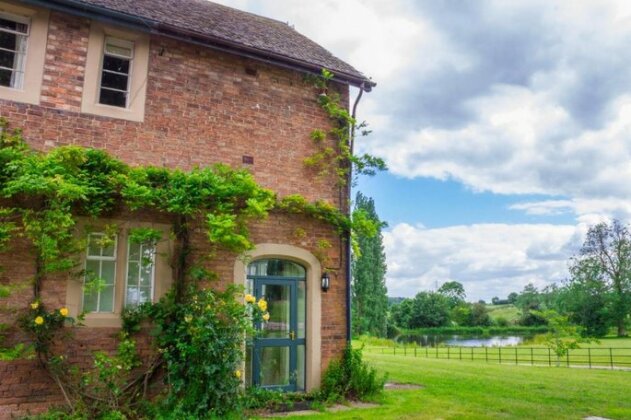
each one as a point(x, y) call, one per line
point(351, 378)
point(500, 321)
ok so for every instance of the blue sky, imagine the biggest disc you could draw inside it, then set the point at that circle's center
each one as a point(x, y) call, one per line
point(506, 126)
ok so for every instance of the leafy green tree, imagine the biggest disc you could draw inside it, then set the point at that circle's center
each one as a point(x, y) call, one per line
point(429, 309)
point(512, 298)
point(606, 257)
point(479, 316)
point(529, 301)
point(454, 292)
point(370, 300)
point(587, 301)
point(562, 335)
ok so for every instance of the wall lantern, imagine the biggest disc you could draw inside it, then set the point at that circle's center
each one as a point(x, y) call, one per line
point(326, 282)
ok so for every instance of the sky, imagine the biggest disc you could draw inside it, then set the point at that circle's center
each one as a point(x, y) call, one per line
point(506, 127)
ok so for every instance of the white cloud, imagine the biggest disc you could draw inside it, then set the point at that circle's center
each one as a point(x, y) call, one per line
point(519, 97)
point(488, 259)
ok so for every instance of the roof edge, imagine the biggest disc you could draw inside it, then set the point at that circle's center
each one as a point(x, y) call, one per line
point(114, 17)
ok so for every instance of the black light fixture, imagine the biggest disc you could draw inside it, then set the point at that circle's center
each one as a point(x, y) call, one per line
point(326, 282)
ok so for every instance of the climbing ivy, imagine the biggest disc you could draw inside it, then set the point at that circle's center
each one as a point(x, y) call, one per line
point(339, 159)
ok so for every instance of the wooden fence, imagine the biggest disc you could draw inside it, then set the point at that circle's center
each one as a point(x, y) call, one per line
point(588, 357)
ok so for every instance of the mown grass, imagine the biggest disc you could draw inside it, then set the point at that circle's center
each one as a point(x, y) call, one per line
point(476, 390)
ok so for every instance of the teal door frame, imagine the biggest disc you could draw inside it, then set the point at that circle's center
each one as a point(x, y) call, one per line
point(291, 341)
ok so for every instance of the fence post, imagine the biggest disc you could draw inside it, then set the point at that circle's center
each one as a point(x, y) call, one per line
point(426, 351)
point(394, 350)
point(567, 358)
point(500, 354)
point(611, 357)
point(405, 350)
point(486, 354)
point(549, 357)
point(589, 356)
point(414, 351)
point(532, 357)
point(471, 353)
point(448, 353)
point(460, 353)
point(436, 351)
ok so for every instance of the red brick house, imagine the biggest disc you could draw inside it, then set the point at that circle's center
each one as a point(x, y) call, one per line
point(179, 83)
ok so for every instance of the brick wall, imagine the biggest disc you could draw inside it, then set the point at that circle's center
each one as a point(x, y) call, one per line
point(201, 108)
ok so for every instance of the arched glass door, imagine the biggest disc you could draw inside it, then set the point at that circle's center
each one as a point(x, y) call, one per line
point(276, 355)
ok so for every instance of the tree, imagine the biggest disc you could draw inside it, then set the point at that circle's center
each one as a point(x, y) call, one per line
point(369, 292)
point(495, 300)
point(479, 316)
point(512, 298)
point(586, 300)
point(562, 336)
point(429, 309)
point(454, 292)
point(606, 257)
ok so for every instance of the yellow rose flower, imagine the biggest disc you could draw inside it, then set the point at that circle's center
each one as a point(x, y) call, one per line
point(262, 304)
point(63, 311)
point(188, 318)
point(237, 373)
point(39, 320)
point(266, 316)
point(34, 305)
point(249, 298)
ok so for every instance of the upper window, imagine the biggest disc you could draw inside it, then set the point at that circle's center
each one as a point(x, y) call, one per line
point(23, 40)
point(13, 40)
point(115, 74)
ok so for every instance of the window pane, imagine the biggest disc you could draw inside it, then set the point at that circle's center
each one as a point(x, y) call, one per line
point(110, 48)
point(134, 252)
point(90, 301)
point(92, 268)
point(278, 305)
point(107, 299)
point(94, 249)
point(119, 65)
point(8, 41)
point(144, 294)
point(275, 369)
point(5, 77)
point(13, 26)
point(132, 298)
point(274, 267)
point(6, 59)
point(114, 81)
point(109, 250)
point(108, 271)
point(145, 275)
point(113, 98)
point(132, 273)
point(301, 286)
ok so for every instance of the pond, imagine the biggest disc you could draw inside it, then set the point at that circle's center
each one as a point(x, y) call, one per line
point(464, 340)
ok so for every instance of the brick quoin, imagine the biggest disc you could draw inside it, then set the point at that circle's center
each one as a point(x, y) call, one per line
point(201, 108)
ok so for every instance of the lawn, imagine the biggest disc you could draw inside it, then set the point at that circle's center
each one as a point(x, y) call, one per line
point(465, 389)
point(509, 312)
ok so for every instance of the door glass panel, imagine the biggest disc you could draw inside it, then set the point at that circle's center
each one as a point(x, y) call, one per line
point(300, 367)
point(301, 321)
point(278, 268)
point(278, 306)
point(275, 366)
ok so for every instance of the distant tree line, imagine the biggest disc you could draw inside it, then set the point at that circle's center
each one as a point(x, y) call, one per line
point(596, 297)
point(445, 307)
